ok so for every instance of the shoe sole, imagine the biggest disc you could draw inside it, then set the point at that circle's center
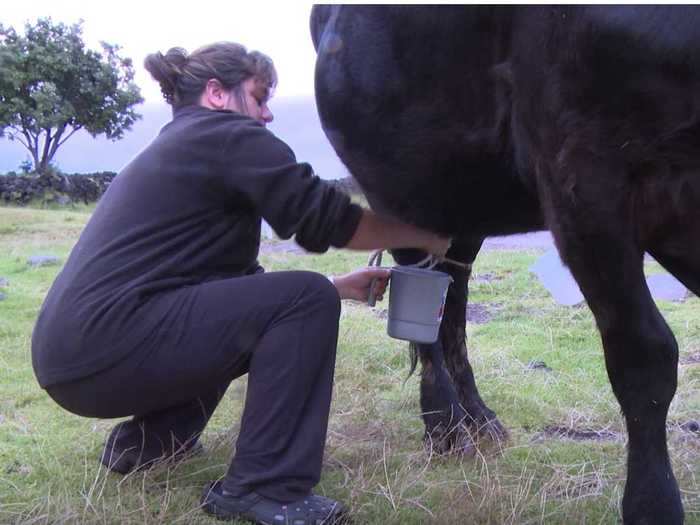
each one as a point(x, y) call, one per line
point(210, 506)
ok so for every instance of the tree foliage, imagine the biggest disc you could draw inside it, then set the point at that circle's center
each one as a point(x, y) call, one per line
point(51, 86)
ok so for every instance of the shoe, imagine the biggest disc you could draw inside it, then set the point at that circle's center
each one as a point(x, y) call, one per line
point(252, 507)
point(131, 459)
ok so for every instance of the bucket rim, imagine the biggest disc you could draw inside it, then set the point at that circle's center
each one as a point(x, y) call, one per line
point(420, 272)
point(432, 324)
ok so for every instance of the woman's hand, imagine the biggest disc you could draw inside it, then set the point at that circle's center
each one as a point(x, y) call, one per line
point(355, 285)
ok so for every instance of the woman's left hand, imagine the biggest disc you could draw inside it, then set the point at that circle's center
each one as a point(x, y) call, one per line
point(356, 285)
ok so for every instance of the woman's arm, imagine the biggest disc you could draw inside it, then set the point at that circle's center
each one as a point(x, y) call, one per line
point(376, 232)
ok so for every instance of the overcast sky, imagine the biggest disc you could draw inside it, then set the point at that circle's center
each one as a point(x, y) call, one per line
point(279, 29)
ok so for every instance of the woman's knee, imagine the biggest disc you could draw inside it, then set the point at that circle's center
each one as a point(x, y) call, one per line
point(322, 293)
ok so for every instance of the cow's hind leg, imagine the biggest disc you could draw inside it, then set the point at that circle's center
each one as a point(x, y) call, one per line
point(481, 420)
point(591, 224)
point(441, 408)
point(455, 416)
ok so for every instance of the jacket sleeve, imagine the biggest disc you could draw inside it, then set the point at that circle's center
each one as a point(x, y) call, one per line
point(287, 194)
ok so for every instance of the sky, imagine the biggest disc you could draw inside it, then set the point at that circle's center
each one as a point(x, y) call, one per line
point(278, 29)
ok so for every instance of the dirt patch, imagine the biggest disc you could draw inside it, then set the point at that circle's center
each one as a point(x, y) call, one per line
point(577, 434)
point(479, 313)
point(486, 277)
point(538, 365)
point(354, 432)
point(18, 468)
point(691, 428)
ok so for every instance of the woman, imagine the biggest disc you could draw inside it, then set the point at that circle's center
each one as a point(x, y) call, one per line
point(162, 303)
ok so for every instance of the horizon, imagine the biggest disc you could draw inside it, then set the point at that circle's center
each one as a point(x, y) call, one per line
point(296, 123)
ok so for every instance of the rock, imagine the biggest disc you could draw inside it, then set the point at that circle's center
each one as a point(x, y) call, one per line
point(666, 287)
point(2, 296)
point(559, 282)
point(36, 261)
point(4, 283)
point(555, 277)
point(538, 365)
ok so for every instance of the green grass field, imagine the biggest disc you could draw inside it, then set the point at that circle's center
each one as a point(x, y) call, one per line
point(375, 460)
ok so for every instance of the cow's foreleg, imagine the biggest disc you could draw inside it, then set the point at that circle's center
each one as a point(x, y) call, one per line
point(591, 223)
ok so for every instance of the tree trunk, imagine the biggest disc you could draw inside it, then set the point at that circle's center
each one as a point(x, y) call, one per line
point(44, 162)
point(32, 146)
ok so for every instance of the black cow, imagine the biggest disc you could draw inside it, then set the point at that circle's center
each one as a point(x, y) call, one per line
point(486, 120)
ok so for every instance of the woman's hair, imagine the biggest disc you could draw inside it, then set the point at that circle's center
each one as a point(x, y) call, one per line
point(183, 77)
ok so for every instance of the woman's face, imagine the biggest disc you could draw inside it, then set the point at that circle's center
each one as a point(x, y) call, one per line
point(251, 100)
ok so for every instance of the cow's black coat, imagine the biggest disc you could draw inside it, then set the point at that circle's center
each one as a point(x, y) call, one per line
point(486, 120)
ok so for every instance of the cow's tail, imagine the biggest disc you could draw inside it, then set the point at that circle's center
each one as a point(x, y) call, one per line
point(413, 352)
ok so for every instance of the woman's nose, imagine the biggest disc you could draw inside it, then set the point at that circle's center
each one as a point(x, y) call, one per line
point(267, 115)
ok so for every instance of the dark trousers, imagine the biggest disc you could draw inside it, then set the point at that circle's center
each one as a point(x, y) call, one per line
point(281, 328)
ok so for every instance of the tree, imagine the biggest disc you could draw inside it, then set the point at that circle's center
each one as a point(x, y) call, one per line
point(51, 86)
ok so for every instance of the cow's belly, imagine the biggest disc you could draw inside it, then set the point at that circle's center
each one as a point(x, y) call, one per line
point(460, 202)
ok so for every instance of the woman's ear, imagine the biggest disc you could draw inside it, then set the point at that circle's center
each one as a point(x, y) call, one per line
point(215, 96)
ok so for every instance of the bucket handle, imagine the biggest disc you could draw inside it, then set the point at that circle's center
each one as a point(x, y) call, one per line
point(374, 260)
point(430, 262)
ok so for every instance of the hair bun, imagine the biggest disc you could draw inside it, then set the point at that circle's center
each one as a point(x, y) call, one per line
point(183, 76)
point(177, 58)
point(166, 70)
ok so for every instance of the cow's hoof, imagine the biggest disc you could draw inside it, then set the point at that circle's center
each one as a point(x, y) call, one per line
point(465, 440)
point(489, 429)
point(661, 516)
point(458, 442)
point(652, 500)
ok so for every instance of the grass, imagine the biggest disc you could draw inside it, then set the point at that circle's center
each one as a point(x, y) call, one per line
point(375, 460)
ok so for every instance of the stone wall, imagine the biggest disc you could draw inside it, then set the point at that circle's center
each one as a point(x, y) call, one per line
point(85, 187)
point(53, 187)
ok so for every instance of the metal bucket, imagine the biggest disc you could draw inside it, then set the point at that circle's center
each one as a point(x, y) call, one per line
point(416, 303)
